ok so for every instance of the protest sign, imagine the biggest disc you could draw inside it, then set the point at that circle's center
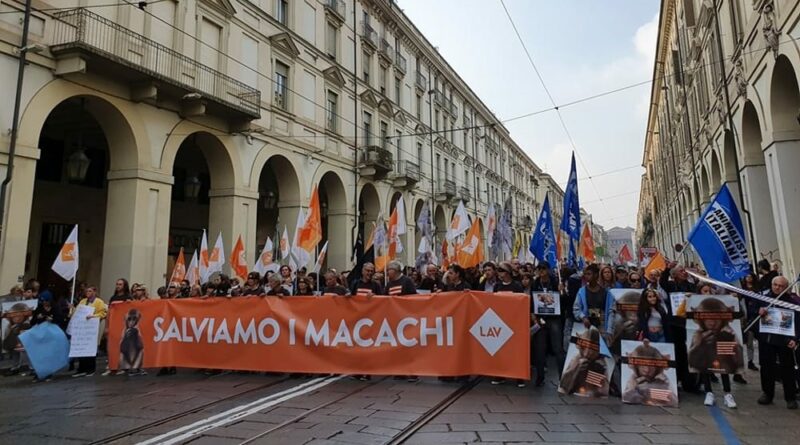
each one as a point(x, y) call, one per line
point(624, 324)
point(16, 318)
point(777, 321)
point(447, 334)
point(546, 303)
point(588, 366)
point(83, 332)
point(47, 347)
point(714, 334)
point(648, 373)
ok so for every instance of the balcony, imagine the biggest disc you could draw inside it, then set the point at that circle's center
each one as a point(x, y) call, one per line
point(490, 145)
point(368, 36)
point(438, 98)
point(407, 174)
point(445, 190)
point(84, 41)
point(400, 63)
point(376, 162)
point(421, 82)
point(385, 51)
point(337, 9)
point(464, 194)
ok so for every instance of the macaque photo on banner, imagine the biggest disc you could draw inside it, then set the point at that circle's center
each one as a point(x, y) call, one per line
point(648, 373)
point(588, 366)
point(714, 334)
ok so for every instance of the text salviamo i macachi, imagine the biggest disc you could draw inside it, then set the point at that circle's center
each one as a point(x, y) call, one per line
point(407, 332)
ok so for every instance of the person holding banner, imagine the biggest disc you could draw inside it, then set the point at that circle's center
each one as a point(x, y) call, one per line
point(679, 283)
point(774, 347)
point(332, 286)
point(594, 304)
point(277, 287)
point(456, 279)
point(398, 284)
point(653, 317)
point(366, 286)
point(545, 281)
point(88, 365)
point(253, 285)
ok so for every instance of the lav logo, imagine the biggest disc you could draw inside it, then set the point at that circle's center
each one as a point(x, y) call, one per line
point(491, 332)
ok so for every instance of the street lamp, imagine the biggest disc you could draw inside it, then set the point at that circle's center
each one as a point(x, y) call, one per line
point(269, 200)
point(78, 165)
point(192, 187)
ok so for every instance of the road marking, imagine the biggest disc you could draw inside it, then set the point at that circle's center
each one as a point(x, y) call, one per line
point(723, 426)
point(239, 412)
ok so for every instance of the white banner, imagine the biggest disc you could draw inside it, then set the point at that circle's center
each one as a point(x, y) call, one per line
point(777, 321)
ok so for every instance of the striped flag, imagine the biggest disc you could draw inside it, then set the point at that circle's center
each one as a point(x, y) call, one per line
point(726, 347)
point(660, 395)
point(595, 378)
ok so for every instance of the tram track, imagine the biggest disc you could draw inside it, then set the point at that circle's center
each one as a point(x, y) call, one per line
point(177, 416)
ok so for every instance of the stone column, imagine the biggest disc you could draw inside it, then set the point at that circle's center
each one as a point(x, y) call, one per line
point(783, 159)
point(137, 228)
point(757, 195)
point(233, 213)
point(15, 228)
point(340, 238)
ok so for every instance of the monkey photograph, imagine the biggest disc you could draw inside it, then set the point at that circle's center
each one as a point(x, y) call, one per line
point(131, 347)
point(587, 372)
point(714, 334)
point(649, 377)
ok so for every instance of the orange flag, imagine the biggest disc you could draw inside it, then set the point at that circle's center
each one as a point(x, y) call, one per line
point(587, 244)
point(445, 255)
point(179, 271)
point(311, 232)
point(658, 262)
point(238, 262)
point(470, 254)
point(625, 254)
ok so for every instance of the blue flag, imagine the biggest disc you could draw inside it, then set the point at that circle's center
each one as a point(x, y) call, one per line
point(47, 347)
point(718, 237)
point(543, 241)
point(571, 221)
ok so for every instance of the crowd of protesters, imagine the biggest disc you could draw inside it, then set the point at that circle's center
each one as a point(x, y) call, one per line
point(583, 295)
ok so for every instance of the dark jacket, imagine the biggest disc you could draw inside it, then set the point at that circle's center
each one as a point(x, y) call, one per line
point(54, 315)
point(372, 285)
point(401, 286)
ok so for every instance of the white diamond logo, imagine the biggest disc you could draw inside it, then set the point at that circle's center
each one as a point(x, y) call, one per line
point(491, 332)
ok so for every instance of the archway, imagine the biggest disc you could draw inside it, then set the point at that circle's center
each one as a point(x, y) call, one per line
point(715, 174)
point(782, 157)
point(74, 161)
point(754, 183)
point(704, 186)
point(420, 204)
point(440, 223)
point(202, 166)
point(278, 201)
point(335, 230)
point(369, 207)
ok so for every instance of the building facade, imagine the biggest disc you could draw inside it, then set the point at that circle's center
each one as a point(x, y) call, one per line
point(724, 110)
point(147, 126)
point(619, 237)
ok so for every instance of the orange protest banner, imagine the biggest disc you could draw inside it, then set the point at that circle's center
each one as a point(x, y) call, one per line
point(449, 334)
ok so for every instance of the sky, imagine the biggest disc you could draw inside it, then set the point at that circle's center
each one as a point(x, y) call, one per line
point(581, 48)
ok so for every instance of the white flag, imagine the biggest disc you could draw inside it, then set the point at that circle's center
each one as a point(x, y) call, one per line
point(459, 224)
point(204, 258)
point(284, 244)
point(300, 255)
point(217, 256)
point(66, 263)
point(321, 258)
point(193, 271)
point(424, 245)
point(265, 261)
point(402, 228)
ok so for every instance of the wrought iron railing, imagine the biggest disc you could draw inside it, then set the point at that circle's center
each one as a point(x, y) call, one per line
point(447, 187)
point(338, 7)
point(408, 169)
point(82, 29)
point(385, 48)
point(400, 62)
point(369, 34)
point(464, 193)
point(377, 156)
point(421, 81)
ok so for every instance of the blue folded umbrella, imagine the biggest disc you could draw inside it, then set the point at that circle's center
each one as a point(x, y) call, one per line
point(47, 347)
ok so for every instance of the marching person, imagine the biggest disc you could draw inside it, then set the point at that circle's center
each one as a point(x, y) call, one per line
point(679, 283)
point(431, 280)
point(253, 287)
point(780, 347)
point(489, 279)
point(506, 283)
point(398, 284)
point(88, 365)
point(366, 286)
point(332, 286)
point(545, 281)
point(594, 304)
point(276, 287)
point(456, 279)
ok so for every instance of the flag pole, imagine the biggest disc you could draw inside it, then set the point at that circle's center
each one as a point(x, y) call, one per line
point(74, 279)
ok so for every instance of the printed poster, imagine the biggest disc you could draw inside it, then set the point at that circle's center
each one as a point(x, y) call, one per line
point(625, 322)
point(16, 319)
point(777, 321)
point(676, 301)
point(546, 303)
point(588, 366)
point(714, 334)
point(648, 373)
point(83, 342)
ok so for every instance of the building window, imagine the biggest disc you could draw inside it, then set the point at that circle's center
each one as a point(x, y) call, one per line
point(398, 82)
point(331, 40)
point(332, 111)
point(436, 120)
point(367, 128)
point(446, 170)
point(398, 135)
point(281, 85)
point(438, 164)
point(419, 153)
point(384, 135)
point(282, 12)
point(419, 106)
point(382, 81)
point(366, 66)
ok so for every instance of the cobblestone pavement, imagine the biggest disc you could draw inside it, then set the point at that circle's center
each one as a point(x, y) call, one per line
point(274, 410)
